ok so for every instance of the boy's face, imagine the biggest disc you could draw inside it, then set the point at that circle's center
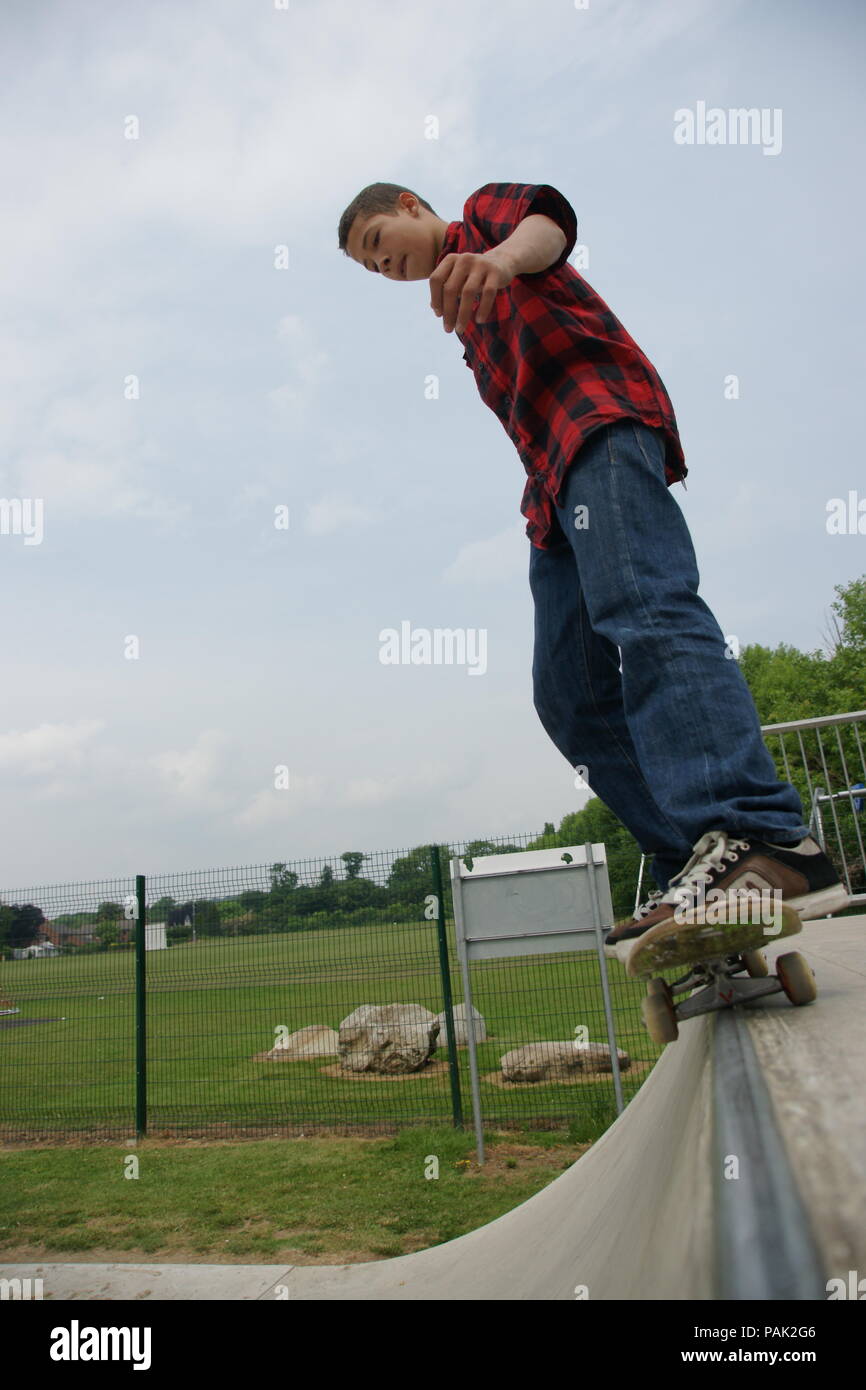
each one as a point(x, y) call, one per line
point(401, 245)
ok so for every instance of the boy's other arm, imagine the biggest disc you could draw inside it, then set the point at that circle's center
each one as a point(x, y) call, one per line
point(534, 245)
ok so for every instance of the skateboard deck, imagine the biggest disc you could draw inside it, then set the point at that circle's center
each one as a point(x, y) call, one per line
point(716, 955)
point(695, 941)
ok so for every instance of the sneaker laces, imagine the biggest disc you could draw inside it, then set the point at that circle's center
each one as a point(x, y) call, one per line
point(711, 853)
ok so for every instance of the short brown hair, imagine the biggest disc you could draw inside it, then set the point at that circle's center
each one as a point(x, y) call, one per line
point(376, 197)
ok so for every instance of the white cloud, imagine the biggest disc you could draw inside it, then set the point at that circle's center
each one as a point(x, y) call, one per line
point(85, 453)
point(493, 560)
point(49, 748)
point(193, 774)
point(306, 792)
point(274, 806)
point(337, 512)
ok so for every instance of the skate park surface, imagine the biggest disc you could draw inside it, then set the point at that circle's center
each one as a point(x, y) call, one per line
point(651, 1211)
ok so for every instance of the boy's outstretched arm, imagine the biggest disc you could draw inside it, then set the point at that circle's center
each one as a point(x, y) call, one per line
point(462, 276)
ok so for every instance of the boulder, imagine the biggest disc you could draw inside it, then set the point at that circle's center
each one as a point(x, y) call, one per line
point(389, 1038)
point(461, 1026)
point(318, 1040)
point(558, 1061)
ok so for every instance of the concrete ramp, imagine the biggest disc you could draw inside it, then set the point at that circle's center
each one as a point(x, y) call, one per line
point(612, 1225)
point(637, 1217)
point(647, 1213)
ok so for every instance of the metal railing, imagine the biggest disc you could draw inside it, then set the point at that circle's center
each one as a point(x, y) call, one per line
point(845, 845)
point(829, 775)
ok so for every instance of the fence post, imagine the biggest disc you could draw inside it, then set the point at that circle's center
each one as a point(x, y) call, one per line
point(445, 973)
point(140, 1011)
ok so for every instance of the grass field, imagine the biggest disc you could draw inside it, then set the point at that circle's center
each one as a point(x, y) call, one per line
point(213, 1005)
point(303, 1201)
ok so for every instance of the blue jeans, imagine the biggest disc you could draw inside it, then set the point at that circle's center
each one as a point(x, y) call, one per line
point(672, 744)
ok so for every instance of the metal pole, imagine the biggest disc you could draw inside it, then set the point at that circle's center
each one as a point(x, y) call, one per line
point(463, 953)
point(140, 1012)
point(605, 986)
point(639, 883)
point(445, 974)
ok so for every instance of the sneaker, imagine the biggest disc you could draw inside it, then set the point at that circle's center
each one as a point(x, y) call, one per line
point(722, 864)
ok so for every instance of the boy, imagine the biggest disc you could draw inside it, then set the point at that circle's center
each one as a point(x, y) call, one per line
point(671, 738)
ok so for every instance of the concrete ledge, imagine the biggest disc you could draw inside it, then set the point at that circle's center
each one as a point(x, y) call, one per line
point(814, 1063)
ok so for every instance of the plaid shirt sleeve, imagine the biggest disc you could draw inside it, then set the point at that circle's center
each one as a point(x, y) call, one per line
point(496, 210)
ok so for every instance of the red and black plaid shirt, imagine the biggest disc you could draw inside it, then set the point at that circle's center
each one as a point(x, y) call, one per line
point(552, 361)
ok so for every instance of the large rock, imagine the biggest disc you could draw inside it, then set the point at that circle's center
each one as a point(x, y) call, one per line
point(461, 1026)
point(559, 1061)
point(389, 1038)
point(318, 1040)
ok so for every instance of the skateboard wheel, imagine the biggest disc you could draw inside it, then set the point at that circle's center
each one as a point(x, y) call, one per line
point(796, 978)
point(659, 1018)
point(756, 964)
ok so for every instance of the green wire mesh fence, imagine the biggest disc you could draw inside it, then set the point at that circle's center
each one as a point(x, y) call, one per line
point(254, 978)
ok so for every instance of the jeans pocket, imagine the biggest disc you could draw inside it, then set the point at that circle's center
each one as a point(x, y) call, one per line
point(655, 459)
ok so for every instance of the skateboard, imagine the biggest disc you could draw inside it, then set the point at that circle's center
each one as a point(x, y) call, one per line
point(715, 954)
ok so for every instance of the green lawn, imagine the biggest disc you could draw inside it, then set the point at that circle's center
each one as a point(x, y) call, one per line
point(303, 1201)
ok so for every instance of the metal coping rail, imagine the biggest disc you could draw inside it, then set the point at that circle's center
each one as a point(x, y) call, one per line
point(818, 721)
point(764, 1244)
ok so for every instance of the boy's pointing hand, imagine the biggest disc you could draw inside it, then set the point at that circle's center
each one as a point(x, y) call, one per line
point(464, 278)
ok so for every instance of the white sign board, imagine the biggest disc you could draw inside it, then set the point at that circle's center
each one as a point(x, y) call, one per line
point(532, 902)
point(154, 936)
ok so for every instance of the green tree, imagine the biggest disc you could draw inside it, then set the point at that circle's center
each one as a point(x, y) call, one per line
point(20, 924)
point(409, 876)
point(353, 859)
point(159, 910)
point(207, 918)
point(478, 848)
point(354, 893)
point(849, 648)
point(254, 901)
point(109, 912)
point(596, 824)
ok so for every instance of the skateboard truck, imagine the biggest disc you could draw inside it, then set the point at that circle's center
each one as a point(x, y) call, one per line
point(717, 984)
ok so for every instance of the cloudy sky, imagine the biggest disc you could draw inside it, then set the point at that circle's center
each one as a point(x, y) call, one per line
point(170, 380)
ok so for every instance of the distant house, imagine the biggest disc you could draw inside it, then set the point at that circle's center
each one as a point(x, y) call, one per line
point(33, 952)
point(62, 934)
